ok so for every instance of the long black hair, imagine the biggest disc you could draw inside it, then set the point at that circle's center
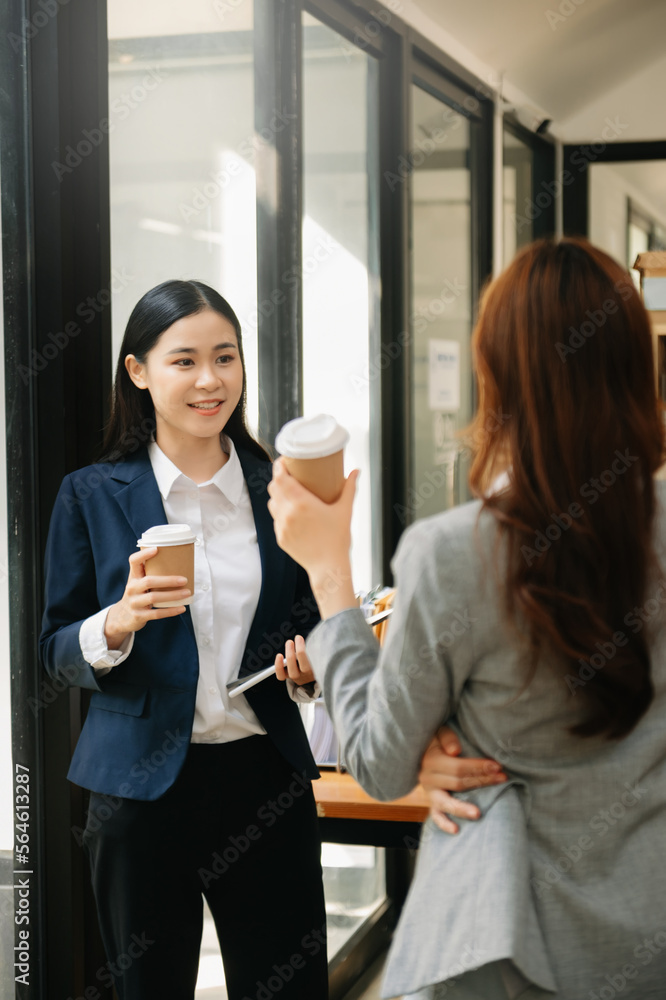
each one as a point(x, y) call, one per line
point(132, 421)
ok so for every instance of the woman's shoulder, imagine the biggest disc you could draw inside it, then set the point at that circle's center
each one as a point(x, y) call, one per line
point(451, 527)
point(450, 542)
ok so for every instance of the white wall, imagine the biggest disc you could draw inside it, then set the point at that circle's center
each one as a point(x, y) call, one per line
point(609, 191)
point(632, 104)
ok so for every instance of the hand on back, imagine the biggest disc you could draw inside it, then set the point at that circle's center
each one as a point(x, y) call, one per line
point(443, 771)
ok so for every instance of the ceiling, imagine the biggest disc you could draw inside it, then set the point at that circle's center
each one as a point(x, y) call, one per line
point(566, 63)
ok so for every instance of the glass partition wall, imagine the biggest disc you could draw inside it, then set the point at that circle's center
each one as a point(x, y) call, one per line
point(442, 300)
point(328, 170)
point(183, 194)
point(340, 336)
point(341, 254)
point(182, 149)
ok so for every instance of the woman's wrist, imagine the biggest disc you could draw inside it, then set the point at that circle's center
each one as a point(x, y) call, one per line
point(113, 632)
point(333, 588)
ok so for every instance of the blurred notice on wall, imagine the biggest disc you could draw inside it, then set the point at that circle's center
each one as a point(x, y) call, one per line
point(444, 375)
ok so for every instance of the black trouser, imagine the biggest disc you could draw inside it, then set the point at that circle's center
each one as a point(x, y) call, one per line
point(240, 826)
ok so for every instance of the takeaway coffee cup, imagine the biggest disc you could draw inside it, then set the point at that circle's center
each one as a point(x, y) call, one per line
point(175, 556)
point(312, 448)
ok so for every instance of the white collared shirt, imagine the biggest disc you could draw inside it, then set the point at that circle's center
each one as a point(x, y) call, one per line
point(227, 572)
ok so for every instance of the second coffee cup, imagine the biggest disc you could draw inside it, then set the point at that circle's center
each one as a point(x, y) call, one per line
point(312, 449)
point(175, 556)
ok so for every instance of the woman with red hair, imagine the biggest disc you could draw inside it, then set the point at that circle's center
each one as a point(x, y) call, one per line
point(531, 622)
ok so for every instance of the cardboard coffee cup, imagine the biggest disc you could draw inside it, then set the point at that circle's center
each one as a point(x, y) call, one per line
point(175, 556)
point(312, 448)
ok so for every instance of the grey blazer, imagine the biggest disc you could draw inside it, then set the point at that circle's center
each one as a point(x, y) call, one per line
point(561, 885)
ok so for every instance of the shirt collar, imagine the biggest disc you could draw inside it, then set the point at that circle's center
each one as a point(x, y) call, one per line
point(229, 479)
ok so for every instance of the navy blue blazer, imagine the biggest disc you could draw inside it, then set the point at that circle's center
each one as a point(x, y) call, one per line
point(139, 723)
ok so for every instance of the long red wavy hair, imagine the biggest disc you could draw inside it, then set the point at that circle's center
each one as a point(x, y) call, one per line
point(567, 405)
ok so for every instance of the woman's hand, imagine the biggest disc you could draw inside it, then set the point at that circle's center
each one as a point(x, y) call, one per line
point(295, 663)
point(316, 535)
point(441, 773)
point(135, 608)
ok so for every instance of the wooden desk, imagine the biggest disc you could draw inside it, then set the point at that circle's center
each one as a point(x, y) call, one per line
point(347, 815)
point(339, 796)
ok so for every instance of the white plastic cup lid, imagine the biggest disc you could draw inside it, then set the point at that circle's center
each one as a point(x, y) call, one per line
point(166, 534)
point(311, 437)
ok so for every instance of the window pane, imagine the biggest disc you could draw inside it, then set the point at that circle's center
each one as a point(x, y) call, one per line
point(441, 283)
point(182, 147)
point(339, 256)
point(354, 885)
point(518, 206)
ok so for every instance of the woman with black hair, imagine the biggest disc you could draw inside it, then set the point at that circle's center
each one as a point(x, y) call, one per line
point(191, 793)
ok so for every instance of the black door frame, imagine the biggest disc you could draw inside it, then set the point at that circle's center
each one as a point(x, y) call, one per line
point(576, 175)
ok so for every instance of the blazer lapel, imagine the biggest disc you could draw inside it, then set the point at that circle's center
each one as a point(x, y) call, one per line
point(274, 562)
point(140, 500)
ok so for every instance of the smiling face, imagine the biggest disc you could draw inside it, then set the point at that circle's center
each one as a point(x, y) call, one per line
point(194, 375)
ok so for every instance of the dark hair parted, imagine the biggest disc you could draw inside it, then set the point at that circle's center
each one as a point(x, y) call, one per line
point(132, 420)
point(563, 352)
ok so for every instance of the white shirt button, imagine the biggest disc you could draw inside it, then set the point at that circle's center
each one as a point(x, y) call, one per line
point(193, 496)
point(205, 587)
point(205, 640)
point(197, 541)
point(213, 690)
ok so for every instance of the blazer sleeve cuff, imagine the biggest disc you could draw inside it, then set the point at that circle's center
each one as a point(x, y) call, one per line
point(303, 693)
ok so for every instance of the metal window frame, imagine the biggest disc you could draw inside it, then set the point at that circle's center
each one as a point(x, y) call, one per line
point(543, 173)
point(576, 174)
point(55, 257)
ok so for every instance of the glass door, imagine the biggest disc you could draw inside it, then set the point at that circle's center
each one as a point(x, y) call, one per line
point(182, 152)
point(182, 188)
point(340, 259)
point(441, 389)
point(340, 337)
